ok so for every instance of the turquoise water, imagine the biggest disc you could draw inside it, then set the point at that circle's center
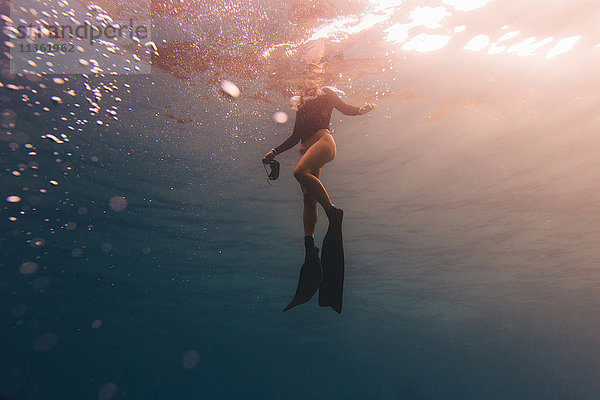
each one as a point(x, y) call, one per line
point(158, 260)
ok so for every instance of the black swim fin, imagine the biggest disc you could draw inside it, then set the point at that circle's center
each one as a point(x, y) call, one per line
point(332, 259)
point(309, 280)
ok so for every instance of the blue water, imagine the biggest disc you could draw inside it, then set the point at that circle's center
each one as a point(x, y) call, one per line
point(471, 231)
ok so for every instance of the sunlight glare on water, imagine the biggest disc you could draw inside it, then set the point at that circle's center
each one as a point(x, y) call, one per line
point(466, 5)
point(479, 42)
point(563, 46)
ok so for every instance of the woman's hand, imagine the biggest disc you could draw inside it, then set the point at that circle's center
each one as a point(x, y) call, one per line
point(366, 108)
point(269, 156)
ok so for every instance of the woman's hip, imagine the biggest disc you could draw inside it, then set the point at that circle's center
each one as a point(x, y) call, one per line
point(320, 152)
point(320, 135)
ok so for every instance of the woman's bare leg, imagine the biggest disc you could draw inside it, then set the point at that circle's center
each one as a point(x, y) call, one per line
point(315, 157)
point(311, 212)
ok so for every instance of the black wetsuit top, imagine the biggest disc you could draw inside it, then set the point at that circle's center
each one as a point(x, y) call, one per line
point(314, 115)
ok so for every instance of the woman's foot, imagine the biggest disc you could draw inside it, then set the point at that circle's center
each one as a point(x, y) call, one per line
point(309, 242)
point(335, 215)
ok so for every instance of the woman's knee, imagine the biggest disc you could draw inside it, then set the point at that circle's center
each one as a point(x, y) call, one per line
point(300, 174)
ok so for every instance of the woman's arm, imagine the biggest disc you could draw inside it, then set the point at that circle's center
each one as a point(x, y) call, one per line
point(339, 104)
point(346, 108)
point(288, 144)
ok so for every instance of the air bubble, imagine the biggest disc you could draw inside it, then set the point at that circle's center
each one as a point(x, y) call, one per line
point(28, 268)
point(13, 199)
point(280, 117)
point(107, 391)
point(190, 359)
point(118, 203)
point(37, 242)
point(230, 88)
point(9, 114)
point(45, 342)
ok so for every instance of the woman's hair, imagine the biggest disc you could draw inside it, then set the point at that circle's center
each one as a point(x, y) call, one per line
point(296, 102)
point(311, 87)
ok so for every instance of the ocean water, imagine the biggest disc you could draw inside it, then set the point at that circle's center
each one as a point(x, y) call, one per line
point(144, 255)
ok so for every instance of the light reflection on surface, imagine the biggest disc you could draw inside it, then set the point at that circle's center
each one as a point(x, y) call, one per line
point(563, 46)
point(428, 17)
point(466, 5)
point(431, 18)
point(424, 42)
point(479, 42)
point(508, 36)
point(378, 12)
point(529, 46)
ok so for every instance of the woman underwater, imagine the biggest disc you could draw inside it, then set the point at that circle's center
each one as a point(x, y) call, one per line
point(314, 107)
